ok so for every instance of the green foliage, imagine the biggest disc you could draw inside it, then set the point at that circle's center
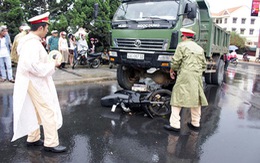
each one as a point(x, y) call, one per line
point(11, 15)
point(236, 39)
point(82, 15)
point(66, 15)
point(61, 24)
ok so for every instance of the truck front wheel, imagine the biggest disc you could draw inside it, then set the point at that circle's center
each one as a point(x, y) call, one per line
point(127, 76)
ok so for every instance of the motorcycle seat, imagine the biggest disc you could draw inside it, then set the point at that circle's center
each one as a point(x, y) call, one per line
point(94, 54)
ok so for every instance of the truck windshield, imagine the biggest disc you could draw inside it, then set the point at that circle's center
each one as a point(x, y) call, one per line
point(147, 10)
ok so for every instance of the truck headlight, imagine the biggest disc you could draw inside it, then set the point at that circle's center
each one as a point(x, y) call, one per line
point(164, 58)
point(113, 54)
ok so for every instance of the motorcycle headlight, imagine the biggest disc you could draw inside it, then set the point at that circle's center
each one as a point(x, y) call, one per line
point(113, 54)
point(164, 58)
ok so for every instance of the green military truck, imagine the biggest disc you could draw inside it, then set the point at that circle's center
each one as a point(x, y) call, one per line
point(145, 34)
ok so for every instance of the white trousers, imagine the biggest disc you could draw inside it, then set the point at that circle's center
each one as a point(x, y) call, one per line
point(175, 116)
point(45, 117)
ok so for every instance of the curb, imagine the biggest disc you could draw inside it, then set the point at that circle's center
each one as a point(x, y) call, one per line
point(81, 81)
point(6, 86)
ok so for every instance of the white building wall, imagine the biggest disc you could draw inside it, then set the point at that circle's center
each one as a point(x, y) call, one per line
point(243, 12)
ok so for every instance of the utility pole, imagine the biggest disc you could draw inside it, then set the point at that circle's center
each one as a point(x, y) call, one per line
point(255, 12)
point(258, 46)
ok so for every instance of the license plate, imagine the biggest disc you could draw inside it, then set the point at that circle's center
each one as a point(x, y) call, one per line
point(135, 56)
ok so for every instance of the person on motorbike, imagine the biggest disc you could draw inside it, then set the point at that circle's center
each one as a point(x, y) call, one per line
point(92, 45)
point(233, 56)
point(245, 57)
point(82, 43)
point(226, 59)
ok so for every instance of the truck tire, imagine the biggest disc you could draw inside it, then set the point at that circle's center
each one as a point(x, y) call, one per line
point(207, 77)
point(126, 77)
point(217, 77)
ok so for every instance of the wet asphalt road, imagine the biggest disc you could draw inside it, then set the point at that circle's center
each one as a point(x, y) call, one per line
point(230, 127)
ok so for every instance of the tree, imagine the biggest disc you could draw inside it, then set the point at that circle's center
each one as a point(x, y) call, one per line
point(82, 14)
point(58, 11)
point(113, 7)
point(236, 39)
point(61, 24)
point(11, 15)
point(65, 15)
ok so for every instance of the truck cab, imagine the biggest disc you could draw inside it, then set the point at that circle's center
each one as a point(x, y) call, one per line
point(145, 34)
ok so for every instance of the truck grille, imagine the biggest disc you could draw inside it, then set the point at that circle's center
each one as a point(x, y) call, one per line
point(149, 44)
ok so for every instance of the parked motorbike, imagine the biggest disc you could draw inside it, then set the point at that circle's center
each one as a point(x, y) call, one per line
point(92, 60)
point(234, 61)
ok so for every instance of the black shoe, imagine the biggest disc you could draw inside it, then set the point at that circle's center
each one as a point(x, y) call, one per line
point(170, 128)
point(37, 143)
point(57, 149)
point(11, 81)
point(63, 65)
point(194, 128)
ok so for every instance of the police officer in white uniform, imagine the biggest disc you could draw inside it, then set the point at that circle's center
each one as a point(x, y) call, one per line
point(35, 100)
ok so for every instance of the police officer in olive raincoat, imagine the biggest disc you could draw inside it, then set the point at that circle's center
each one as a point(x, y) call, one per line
point(189, 62)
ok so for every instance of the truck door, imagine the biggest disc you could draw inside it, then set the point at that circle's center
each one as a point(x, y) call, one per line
point(191, 18)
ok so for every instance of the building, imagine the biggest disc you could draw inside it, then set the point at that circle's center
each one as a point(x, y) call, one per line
point(239, 20)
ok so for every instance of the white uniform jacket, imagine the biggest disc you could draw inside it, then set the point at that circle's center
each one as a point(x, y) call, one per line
point(34, 66)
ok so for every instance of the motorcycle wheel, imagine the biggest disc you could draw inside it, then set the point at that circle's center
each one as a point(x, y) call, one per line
point(95, 63)
point(160, 102)
point(75, 64)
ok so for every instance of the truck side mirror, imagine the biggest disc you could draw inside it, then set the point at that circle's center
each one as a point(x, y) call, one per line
point(191, 10)
point(95, 10)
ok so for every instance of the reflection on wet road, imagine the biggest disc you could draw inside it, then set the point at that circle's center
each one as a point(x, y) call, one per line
point(229, 133)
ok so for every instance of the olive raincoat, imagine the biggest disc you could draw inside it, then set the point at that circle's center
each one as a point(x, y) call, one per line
point(189, 62)
point(14, 55)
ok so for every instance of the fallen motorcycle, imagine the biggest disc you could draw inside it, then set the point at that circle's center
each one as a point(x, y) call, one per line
point(90, 59)
point(153, 103)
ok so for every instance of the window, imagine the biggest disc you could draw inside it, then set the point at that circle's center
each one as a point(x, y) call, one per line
point(243, 21)
point(251, 31)
point(234, 20)
point(147, 11)
point(252, 21)
point(217, 21)
point(234, 29)
point(220, 21)
point(242, 31)
point(225, 13)
point(225, 20)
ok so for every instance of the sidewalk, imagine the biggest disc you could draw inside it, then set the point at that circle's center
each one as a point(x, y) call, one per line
point(69, 76)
